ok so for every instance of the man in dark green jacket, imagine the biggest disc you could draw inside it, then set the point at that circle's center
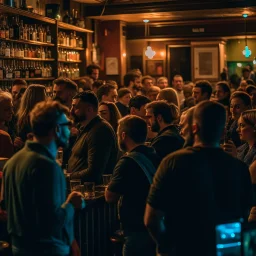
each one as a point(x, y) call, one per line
point(40, 219)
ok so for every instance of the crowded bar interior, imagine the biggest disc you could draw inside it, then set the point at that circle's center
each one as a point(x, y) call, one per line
point(127, 127)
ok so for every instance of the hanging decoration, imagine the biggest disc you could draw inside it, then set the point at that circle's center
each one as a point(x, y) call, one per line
point(246, 52)
point(149, 52)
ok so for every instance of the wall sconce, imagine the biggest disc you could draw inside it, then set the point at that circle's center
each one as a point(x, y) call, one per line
point(124, 54)
point(162, 54)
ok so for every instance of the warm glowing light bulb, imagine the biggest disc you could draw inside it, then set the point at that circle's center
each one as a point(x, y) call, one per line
point(124, 54)
point(162, 54)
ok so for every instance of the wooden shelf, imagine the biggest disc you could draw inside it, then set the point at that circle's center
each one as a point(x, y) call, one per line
point(17, 11)
point(17, 58)
point(31, 79)
point(72, 27)
point(26, 42)
point(70, 47)
point(70, 61)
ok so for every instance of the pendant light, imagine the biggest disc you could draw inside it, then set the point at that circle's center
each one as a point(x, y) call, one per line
point(246, 52)
point(149, 52)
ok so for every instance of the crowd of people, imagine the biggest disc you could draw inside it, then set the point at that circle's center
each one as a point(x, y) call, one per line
point(181, 154)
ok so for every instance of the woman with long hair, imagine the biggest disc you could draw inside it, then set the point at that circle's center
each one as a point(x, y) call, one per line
point(34, 94)
point(110, 112)
point(169, 95)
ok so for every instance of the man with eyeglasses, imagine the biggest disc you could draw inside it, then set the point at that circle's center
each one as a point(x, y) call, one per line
point(40, 218)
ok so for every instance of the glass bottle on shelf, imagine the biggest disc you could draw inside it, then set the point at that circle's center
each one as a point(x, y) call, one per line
point(41, 34)
point(21, 30)
point(49, 54)
point(80, 42)
point(48, 35)
point(43, 54)
point(22, 53)
point(11, 31)
point(30, 32)
point(66, 17)
point(7, 31)
point(26, 71)
point(25, 51)
point(25, 32)
point(7, 51)
point(16, 28)
point(2, 31)
point(44, 35)
point(2, 49)
point(34, 34)
point(12, 54)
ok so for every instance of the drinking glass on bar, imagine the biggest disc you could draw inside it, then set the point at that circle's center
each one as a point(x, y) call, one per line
point(74, 184)
point(89, 190)
point(106, 179)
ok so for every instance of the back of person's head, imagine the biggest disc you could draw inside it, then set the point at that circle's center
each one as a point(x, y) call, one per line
point(234, 80)
point(114, 113)
point(168, 111)
point(250, 82)
point(44, 117)
point(188, 89)
point(138, 101)
point(130, 77)
point(135, 128)
point(90, 68)
point(210, 118)
point(104, 90)
point(243, 96)
point(97, 84)
point(113, 82)
point(5, 96)
point(20, 82)
point(170, 95)
point(88, 97)
point(249, 117)
point(144, 78)
point(250, 88)
point(85, 84)
point(122, 92)
point(205, 87)
point(68, 83)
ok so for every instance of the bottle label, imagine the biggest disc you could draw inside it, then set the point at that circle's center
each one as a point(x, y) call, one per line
point(48, 39)
point(7, 52)
point(17, 74)
point(9, 75)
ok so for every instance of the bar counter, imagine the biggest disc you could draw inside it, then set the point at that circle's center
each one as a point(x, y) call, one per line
point(94, 226)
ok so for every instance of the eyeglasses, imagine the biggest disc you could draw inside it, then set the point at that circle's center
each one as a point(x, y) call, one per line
point(69, 124)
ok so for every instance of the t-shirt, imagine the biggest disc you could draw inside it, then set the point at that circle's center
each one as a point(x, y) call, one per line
point(197, 188)
point(130, 181)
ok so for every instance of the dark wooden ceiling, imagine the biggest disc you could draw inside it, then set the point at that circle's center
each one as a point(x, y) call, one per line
point(134, 11)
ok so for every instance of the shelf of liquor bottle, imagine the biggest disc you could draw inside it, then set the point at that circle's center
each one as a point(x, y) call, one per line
point(26, 42)
point(17, 11)
point(70, 47)
point(70, 61)
point(25, 58)
point(72, 27)
point(30, 79)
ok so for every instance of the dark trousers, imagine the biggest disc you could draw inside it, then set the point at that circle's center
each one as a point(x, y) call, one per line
point(139, 243)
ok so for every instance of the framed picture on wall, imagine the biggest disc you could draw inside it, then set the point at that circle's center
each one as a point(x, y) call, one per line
point(206, 63)
point(154, 67)
point(112, 66)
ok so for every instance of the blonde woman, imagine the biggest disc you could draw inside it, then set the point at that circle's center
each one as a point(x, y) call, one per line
point(34, 94)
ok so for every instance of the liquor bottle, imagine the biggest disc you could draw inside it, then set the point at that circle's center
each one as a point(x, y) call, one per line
point(16, 29)
point(26, 71)
point(22, 52)
point(8, 51)
point(48, 35)
point(7, 31)
point(25, 51)
point(44, 35)
point(9, 73)
point(31, 32)
point(72, 16)
point(37, 10)
point(21, 36)
point(11, 31)
point(75, 20)
point(12, 54)
point(1, 70)
point(38, 70)
point(80, 43)
point(43, 54)
point(16, 71)
point(32, 70)
point(34, 34)
point(41, 34)
point(25, 32)
point(49, 54)
point(23, 71)
point(2, 31)
point(67, 40)
point(66, 18)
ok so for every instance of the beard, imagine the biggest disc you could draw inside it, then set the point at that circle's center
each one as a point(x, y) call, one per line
point(155, 127)
point(78, 119)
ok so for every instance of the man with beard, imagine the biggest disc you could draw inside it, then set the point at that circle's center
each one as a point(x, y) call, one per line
point(95, 150)
point(161, 117)
point(64, 90)
point(40, 218)
point(131, 182)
